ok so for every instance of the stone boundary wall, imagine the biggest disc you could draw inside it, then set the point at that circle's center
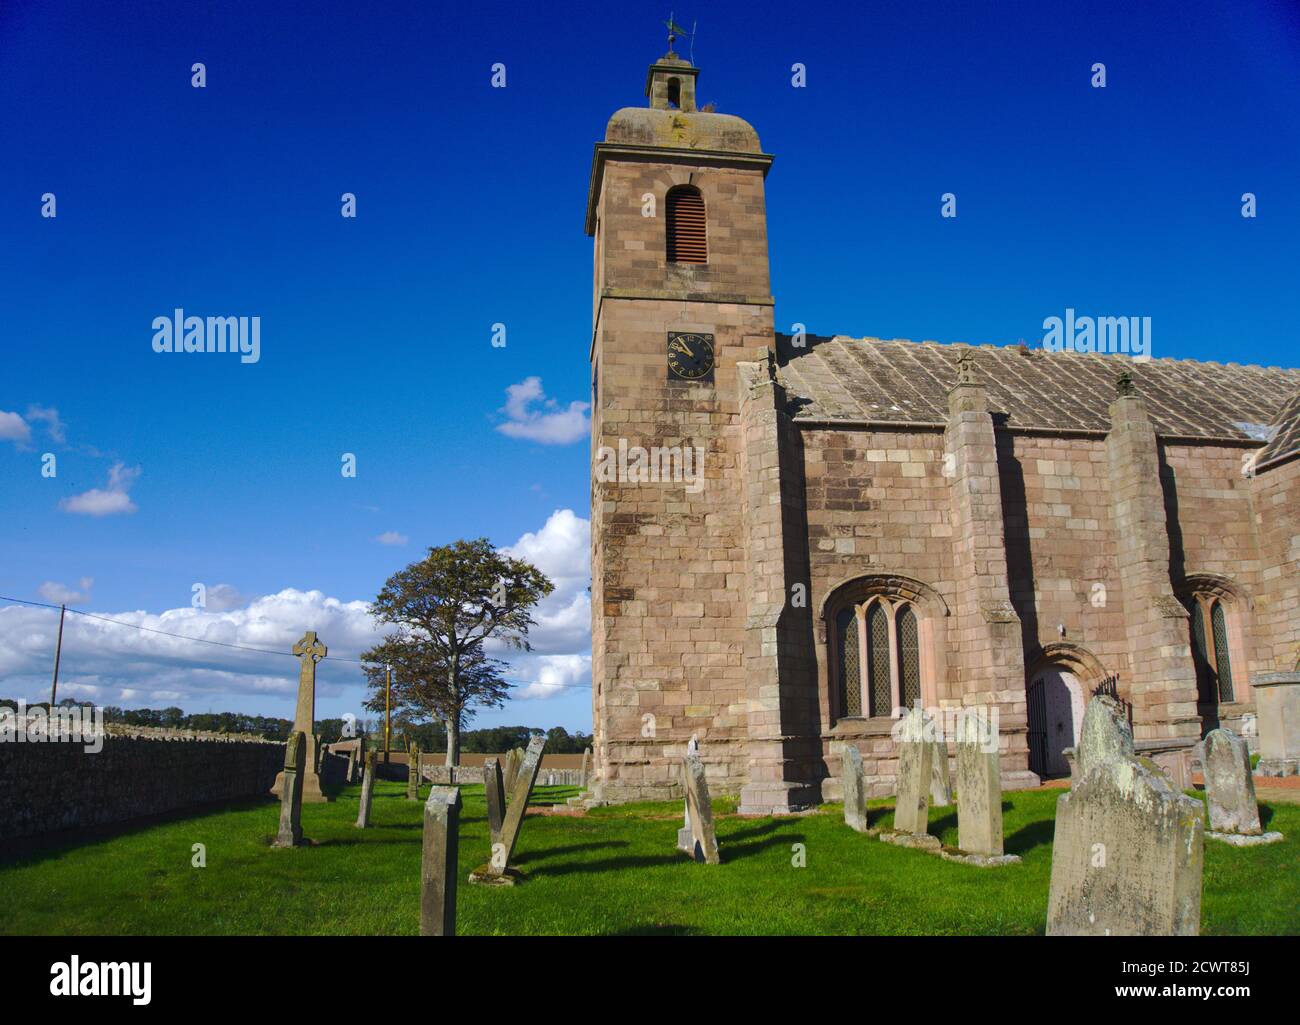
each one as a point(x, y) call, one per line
point(445, 775)
point(45, 787)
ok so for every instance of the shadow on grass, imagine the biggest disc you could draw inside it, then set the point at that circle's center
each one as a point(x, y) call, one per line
point(609, 865)
point(1025, 839)
point(580, 848)
point(657, 930)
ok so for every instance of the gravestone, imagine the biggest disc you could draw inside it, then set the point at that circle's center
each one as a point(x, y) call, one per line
point(497, 871)
point(914, 776)
point(509, 770)
point(704, 842)
point(367, 791)
point(855, 794)
point(309, 651)
point(413, 774)
point(1230, 792)
point(295, 765)
point(494, 791)
point(352, 765)
point(438, 862)
point(940, 776)
point(685, 842)
point(1277, 708)
point(1128, 850)
point(979, 794)
point(586, 762)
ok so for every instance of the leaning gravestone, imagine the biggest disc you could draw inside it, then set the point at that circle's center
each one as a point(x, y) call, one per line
point(940, 777)
point(494, 791)
point(510, 769)
point(367, 791)
point(352, 765)
point(310, 651)
point(855, 795)
point(1230, 792)
point(704, 841)
point(914, 775)
point(497, 872)
point(413, 774)
point(685, 842)
point(438, 862)
point(1128, 850)
point(979, 794)
point(295, 758)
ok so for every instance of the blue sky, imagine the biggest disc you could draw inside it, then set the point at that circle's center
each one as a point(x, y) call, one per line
point(376, 331)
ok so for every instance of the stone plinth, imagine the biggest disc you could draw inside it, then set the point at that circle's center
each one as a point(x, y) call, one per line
point(1277, 709)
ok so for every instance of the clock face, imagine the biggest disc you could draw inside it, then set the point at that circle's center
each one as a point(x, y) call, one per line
point(690, 356)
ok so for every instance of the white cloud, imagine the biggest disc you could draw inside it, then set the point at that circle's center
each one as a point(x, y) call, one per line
point(392, 537)
point(222, 598)
point(115, 664)
point(52, 591)
point(107, 501)
point(549, 424)
point(14, 428)
point(552, 675)
point(49, 417)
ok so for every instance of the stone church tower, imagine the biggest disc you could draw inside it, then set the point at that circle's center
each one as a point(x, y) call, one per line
point(682, 295)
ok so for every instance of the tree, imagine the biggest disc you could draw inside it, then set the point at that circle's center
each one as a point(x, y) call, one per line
point(444, 610)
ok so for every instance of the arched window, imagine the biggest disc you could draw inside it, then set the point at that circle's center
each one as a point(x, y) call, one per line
point(687, 237)
point(1211, 648)
point(890, 673)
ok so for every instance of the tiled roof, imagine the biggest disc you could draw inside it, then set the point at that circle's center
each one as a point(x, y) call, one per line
point(904, 382)
point(1286, 433)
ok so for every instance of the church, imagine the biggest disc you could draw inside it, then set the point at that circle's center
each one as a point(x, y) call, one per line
point(878, 523)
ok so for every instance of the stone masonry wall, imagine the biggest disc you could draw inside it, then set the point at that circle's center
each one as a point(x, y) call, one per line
point(1277, 600)
point(46, 787)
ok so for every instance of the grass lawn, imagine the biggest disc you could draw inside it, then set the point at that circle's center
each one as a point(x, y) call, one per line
point(616, 871)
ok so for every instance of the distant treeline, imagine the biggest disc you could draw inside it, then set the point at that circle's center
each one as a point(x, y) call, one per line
point(430, 737)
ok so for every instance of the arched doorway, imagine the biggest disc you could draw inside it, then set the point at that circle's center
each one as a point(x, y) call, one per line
point(1055, 707)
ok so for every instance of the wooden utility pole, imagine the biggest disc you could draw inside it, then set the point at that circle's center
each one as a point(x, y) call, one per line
point(58, 652)
point(388, 690)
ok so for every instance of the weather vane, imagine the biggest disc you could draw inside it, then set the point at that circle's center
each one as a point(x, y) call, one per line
point(675, 32)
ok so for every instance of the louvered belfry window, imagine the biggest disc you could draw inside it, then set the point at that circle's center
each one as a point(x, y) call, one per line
point(687, 237)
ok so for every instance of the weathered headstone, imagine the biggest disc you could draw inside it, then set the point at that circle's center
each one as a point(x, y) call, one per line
point(914, 775)
point(497, 871)
point(509, 770)
point(1230, 792)
point(1277, 708)
point(685, 842)
point(309, 651)
point(979, 793)
point(494, 790)
point(704, 841)
point(855, 794)
point(438, 862)
point(586, 762)
point(413, 774)
point(367, 791)
point(352, 765)
point(1128, 850)
point(940, 777)
point(295, 759)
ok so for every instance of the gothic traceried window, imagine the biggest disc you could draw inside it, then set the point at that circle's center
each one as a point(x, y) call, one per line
point(872, 682)
point(1211, 646)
